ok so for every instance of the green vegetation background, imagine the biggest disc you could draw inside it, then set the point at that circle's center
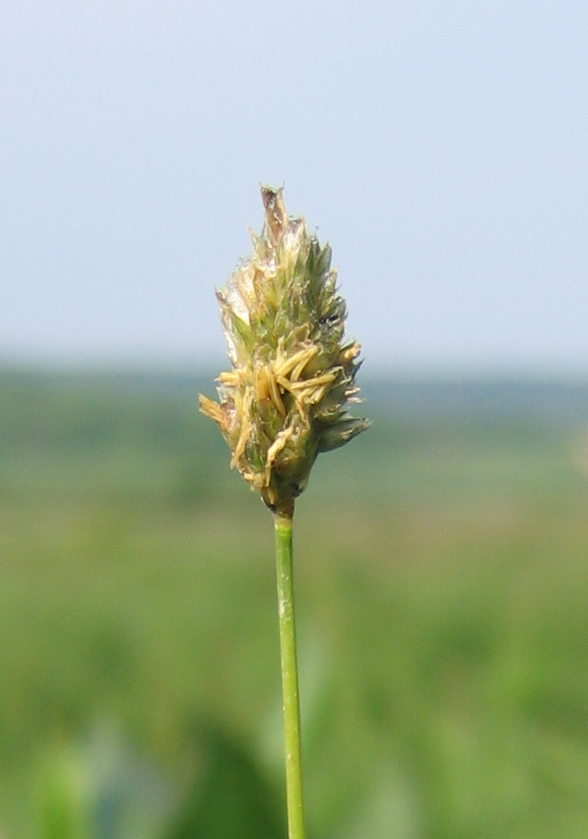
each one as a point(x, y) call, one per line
point(442, 596)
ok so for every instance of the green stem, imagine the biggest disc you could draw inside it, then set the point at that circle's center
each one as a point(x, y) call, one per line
point(291, 704)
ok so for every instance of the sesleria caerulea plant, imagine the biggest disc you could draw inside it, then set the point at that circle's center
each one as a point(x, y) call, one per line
point(284, 401)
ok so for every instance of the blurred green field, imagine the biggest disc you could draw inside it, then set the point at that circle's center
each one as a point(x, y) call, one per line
point(442, 596)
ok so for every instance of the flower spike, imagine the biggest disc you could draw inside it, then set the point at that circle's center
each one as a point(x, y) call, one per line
point(286, 398)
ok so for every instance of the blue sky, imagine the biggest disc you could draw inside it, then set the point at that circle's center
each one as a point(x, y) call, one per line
point(442, 149)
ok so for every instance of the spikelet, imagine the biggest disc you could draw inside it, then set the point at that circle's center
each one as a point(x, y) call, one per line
point(286, 397)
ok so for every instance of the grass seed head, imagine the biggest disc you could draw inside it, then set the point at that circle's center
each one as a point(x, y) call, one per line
point(293, 374)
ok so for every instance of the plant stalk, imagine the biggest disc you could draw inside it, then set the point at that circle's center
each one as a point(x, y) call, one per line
point(290, 698)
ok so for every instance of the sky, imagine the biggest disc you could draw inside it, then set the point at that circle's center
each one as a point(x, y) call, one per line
point(441, 148)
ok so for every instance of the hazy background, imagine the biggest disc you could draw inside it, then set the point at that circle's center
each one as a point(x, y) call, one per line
point(440, 558)
point(440, 147)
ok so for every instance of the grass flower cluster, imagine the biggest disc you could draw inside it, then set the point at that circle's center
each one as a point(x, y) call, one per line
point(293, 374)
